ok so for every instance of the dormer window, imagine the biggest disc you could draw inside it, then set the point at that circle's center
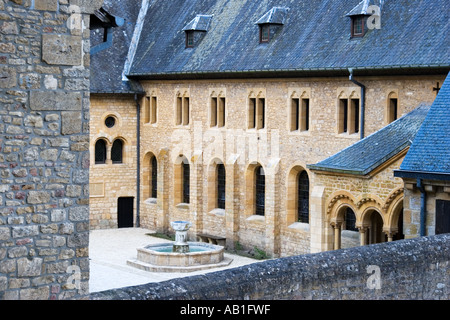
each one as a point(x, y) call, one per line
point(360, 14)
point(358, 26)
point(190, 39)
point(270, 23)
point(196, 29)
point(264, 33)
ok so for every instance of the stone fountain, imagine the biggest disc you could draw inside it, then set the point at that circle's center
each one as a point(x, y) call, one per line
point(180, 255)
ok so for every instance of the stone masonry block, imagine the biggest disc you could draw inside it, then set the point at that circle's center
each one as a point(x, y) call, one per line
point(8, 77)
point(46, 5)
point(61, 49)
point(71, 123)
point(55, 100)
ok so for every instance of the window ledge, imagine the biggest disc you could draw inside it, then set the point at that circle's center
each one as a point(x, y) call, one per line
point(182, 206)
point(218, 212)
point(256, 218)
point(300, 226)
point(151, 201)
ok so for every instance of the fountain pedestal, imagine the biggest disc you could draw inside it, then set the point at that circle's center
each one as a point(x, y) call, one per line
point(181, 229)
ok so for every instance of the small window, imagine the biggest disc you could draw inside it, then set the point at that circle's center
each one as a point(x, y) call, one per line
point(358, 26)
point(151, 110)
point(154, 178)
point(348, 116)
point(264, 33)
point(343, 116)
point(256, 113)
point(260, 191)
point(217, 112)
point(392, 109)
point(299, 114)
point(117, 152)
point(190, 39)
point(303, 197)
point(186, 182)
point(100, 152)
point(221, 183)
point(182, 111)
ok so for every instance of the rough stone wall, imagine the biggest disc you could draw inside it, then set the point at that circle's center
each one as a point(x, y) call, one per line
point(44, 148)
point(415, 269)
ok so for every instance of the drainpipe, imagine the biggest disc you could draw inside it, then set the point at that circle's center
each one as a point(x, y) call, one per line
point(138, 164)
point(363, 101)
point(423, 204)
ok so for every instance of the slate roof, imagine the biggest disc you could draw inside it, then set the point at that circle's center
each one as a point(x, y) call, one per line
point(107, 65)
point(369, 153)
point(430, 151)
point(314, 38)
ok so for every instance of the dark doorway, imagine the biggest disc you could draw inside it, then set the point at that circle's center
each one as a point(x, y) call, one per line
point(442, 217)
point(125, 212)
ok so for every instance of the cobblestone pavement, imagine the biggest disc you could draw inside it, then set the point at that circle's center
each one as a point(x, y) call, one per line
point(109, 251)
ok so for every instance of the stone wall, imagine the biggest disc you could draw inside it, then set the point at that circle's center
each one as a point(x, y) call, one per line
point(412, 269)
point(44, 144)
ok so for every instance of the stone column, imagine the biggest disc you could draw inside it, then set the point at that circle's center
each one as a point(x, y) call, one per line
point(337, 235)
point(321, 238)
point(363, 236)
point(162, 219)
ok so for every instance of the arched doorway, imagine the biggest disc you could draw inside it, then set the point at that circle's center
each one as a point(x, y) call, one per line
point(375, 232)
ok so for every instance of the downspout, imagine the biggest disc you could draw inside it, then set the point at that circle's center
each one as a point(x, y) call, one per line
point(423, 205)
point(138, 164)
point(363, 101)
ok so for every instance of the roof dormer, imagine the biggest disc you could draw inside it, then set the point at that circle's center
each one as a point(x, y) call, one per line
point(271, 22)
point(360, 14)
point(196, 29)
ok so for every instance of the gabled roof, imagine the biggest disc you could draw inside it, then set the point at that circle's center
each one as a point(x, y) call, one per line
point(363, 7)
point(371, 152)
point(315, 39)
point(276, 15)
point(430, 151)
point(199, 23)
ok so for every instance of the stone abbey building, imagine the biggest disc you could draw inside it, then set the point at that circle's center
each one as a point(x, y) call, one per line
point(280, 125)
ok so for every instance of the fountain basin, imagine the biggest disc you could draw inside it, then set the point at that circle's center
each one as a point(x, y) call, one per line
point(160, 258)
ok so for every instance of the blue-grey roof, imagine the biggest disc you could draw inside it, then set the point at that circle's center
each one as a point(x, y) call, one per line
point(430, 151)
point(315, 36)
point(369, 153)
point(107, 65)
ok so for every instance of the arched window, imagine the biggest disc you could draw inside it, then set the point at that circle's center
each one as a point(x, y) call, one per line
point(350, 220)
point(260, 191)
point(100, 152)
point(303, 197)
point(186, 182)
point(221, 179)
point(154, 177)
point(117, 151)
